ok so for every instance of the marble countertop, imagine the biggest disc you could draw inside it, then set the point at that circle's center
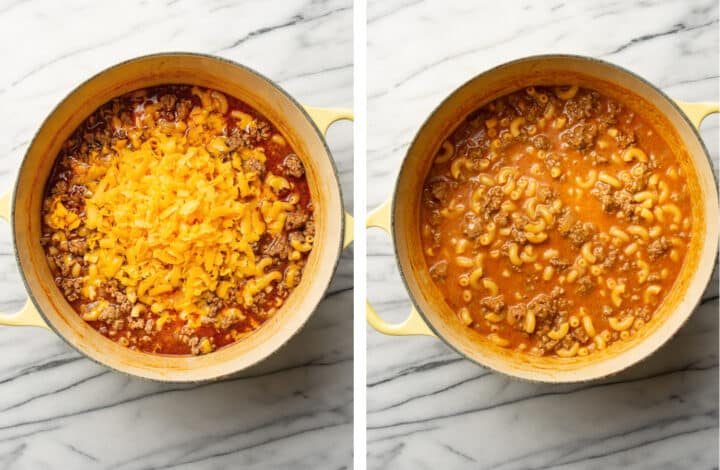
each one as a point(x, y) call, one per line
point(59, 410)
point(427, 407)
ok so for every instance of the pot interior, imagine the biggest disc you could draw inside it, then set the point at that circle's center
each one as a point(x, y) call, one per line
point(610, 80)
point(234, 80)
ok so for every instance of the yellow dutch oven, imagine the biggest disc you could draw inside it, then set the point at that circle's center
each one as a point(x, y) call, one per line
point(430, 314)
point(304, 127)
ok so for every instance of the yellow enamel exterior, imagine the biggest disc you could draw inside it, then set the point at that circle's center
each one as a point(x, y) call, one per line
point(27, 316)
point(323, 118)
point(349, 230)
point(696, 112)
point(412, 325)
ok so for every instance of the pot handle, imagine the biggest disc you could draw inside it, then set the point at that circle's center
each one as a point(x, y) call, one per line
point(696, 112)
point(28, 315)
point(323, 118)
point(412, 325)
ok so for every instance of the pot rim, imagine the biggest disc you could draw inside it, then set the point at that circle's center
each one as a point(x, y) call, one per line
point(396, 194)
point(170, 55)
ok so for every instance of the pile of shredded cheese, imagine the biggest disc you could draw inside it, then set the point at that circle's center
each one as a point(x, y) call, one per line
point(171, 221)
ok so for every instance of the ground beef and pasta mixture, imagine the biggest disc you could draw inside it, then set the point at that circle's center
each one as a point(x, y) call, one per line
point(177, 220)
point(555, 220)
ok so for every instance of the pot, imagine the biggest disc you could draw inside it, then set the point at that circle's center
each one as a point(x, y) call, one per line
point(304, 127)
point(430, 314)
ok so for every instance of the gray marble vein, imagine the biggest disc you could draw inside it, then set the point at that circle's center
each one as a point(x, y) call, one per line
point(427, 407)
point(59, 410)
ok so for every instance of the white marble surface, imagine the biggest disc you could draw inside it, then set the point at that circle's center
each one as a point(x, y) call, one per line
point(61, 411)
point(427, 407)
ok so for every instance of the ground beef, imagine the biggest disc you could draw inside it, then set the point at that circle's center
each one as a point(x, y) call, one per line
point(502, 220)
point(544, 193)
point(295, 220)
point(110, 314)
point(122, 302)
point(256, 134)
point(309, 228)
point(438, 271)
point(214, 304)
point(113, 292)
point(581, 233)
point(636, 179)
point(254, 165)
point(585, 285)
point(526, 105)
point(560, 264)
point(643, 312)
point(610, 258)
point(577, 232)
point(277, 247)
point(658, 248)
point(77, 246)
point(618, 200)
point(74, 198)
point(625, 202)
point(435, 219)
point(107, 289)
point(167, 102)
point(65, 270)
point(625, 140)
point(126, 117)
point(104, 136)
point(516, 315)
point(296, 236)
point(230, 318)
point(492, 201)
point(494, 304)
point(518, 236)
point(117, 325)
point(543, 306)
point(183, 109)
point(582, 106)
point(472, 226)
point(293, 166)
point(581, 136)
point(565, 221)
point(608, 114)
point(70, 287)
point(579, 334)
point(60, 187)
point(540, 142)
point(234, 140)
point(439, 190)
point(608, 203)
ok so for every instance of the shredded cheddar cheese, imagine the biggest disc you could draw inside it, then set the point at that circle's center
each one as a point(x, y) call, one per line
point(171, 221)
